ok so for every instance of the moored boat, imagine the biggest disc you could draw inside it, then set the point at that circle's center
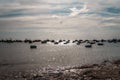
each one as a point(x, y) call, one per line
point(88, 46)
point(33, 46)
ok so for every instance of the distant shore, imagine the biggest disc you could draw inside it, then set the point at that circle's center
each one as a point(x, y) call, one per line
point(107, 70)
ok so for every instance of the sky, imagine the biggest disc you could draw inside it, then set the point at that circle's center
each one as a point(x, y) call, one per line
point(64, 16)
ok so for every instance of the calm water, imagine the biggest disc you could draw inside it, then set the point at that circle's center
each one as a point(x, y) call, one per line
point(71, 33)
point(19, 55)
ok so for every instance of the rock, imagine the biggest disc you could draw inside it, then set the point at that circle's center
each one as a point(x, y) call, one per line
point(108, 79)
point(117, 62)
point(119, 72)
point(55, 74)
point(87, 72)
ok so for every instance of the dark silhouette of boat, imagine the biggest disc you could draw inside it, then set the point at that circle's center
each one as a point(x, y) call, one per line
point(33, 46)
point(102, 40)
point(36, 40)
point(96, 40)
point(92, 42)
point(78, 42)
point(100, 44)
point(52, 41)
point(28, 41)
point(88, 46)
point(74, 41)
point(114, 40)
point(44, 41)
point(118, 40)
point(56, 42)
point(60, 41)
point(67, 42)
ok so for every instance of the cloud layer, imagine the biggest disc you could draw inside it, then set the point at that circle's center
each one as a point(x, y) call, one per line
point(61, 14)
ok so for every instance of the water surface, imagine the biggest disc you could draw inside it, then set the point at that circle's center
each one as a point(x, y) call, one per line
point(19, 55)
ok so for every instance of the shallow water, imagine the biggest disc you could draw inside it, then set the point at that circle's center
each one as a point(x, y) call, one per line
point(20, 56)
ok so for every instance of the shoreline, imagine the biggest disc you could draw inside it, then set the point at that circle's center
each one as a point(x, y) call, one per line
point(107, 70)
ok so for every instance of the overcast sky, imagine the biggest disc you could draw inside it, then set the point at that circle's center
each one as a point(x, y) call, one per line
point(58, 14)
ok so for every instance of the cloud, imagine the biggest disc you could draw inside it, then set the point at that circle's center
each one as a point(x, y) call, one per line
point(76, 11)
point(69, 14)
point(56, 16)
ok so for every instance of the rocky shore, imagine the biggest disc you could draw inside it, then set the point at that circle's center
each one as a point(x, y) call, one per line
point(104, 71)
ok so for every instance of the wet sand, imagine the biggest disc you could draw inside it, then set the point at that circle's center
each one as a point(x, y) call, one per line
point(107, 70)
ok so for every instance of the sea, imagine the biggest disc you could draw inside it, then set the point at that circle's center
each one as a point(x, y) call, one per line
point(19, 56)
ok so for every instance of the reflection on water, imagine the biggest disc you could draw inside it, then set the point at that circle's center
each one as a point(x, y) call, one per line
point(20, 54)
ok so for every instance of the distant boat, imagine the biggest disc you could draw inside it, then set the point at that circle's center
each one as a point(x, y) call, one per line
point(78, 43)
point(56, 43)
point(44, 42)
point(33, 46)
point(100, 44)
point(92, 42)
point(88, 46)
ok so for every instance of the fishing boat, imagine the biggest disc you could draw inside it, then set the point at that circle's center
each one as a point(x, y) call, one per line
point(33, 46)
point(88, 46)
point(100, 44)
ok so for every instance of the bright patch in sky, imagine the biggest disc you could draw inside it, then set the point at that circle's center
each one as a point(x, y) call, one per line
point(76, 11)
